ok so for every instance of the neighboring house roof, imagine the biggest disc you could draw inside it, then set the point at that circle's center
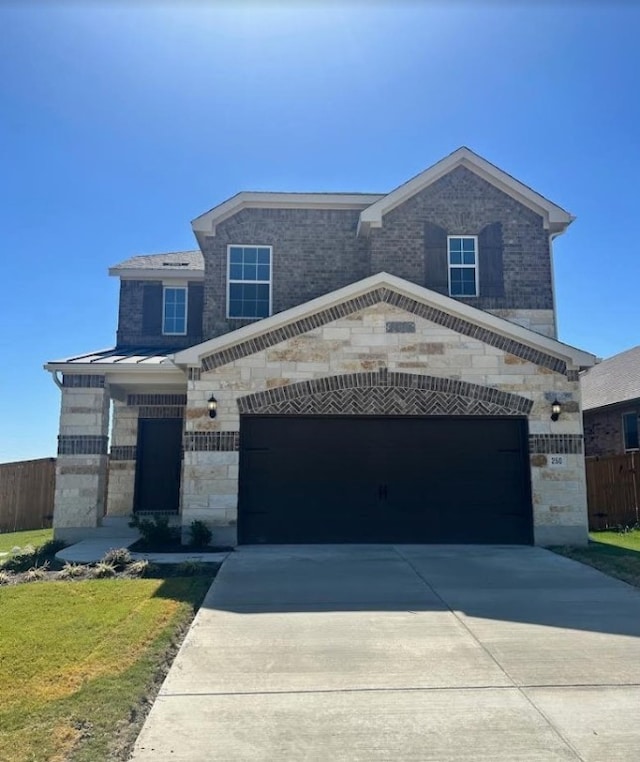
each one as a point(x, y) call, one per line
point(374, 206)
point(614, 380)
point(168, 264)
point(485, 325)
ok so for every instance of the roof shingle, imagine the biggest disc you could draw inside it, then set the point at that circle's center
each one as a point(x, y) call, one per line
point(614, 380)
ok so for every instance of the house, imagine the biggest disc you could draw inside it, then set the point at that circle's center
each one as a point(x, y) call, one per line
point(611, 404)
point(339, 367)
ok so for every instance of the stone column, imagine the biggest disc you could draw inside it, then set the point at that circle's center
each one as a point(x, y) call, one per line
point(81, 469)
point(122, 463)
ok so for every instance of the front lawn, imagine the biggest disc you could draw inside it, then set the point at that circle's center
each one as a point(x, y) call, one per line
point(614, 553)
point(10, 540)
point(80, 662)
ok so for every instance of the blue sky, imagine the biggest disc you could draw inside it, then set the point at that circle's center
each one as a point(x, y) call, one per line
point(121, 122)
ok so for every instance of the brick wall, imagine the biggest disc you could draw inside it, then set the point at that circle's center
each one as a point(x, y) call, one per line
point(603, 433)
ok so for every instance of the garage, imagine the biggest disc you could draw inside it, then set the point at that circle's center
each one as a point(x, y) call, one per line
point(357, 479)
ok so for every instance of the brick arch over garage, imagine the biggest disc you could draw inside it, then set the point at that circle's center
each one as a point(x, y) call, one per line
point(384, 393)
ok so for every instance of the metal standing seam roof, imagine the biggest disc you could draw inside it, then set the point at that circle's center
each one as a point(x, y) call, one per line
point(120, 356)
point(614, 380)
point(172, 260)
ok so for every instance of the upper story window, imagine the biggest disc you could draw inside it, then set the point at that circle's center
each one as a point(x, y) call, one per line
point(463, 265)
point(630, 431)
point(174, 311)
point(249, 282)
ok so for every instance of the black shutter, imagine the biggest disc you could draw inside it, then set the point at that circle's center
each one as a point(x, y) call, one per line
point(435, 258)
point(490, 260)
point(194, 319)
point(152, 309)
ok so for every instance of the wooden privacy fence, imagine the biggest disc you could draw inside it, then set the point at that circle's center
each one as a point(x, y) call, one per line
point(26, 494)
point(612, 490)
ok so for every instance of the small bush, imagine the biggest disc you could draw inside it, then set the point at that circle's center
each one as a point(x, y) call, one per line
point(200, 533)
point(72, 571)
point(156, 531)
point(102, 570)
point(140, 568)
point(190, 568)
point(119, 557)
point(5, 578)
point(49, 548)
point(37, 572)
point(22, 561)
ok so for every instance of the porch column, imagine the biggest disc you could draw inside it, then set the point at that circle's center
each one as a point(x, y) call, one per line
point(81, 468)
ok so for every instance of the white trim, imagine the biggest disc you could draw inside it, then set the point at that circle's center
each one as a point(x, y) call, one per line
point(260, 282)
point(186, 310)
point(473, 267)
point(156, 274)
point(205, 224)
point(556, 219)
point(576, 358)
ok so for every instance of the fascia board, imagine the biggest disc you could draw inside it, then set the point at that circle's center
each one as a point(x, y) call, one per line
point(555, 217)
point(206, 223)
point(164, 371)
point(156, 273)
point(575, 357)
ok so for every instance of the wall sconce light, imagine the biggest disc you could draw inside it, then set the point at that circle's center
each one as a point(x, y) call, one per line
point(556, 409)
point(212, 406)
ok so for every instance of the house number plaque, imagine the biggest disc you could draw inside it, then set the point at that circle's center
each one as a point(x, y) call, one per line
point(557, 461)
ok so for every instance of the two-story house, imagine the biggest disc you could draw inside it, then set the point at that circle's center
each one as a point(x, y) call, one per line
point(339, 368)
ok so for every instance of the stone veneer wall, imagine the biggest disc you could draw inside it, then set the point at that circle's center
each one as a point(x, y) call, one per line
point(81, 465)
point(383, 337)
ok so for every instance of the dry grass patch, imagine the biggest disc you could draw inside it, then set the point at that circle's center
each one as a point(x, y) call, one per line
point(78, 662)
point(614, 553)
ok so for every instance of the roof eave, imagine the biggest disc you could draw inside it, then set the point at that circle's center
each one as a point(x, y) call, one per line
point(147, 273)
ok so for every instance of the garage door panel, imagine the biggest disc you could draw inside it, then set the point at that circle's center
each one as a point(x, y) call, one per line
point(347, 479)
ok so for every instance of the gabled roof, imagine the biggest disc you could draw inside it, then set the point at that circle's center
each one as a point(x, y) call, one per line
point(169, 264)
point(472, 321)
point(556, 218)
point(205, 224)
point(612, 381)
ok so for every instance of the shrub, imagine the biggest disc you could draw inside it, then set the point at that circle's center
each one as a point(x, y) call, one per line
point(37, 572)
point(22, 561)
point(5, 578)
point(140, 568)
point(72, 571)
point(190, 568)
point(156, 531)
point(119, 557)
point(103, 569)
point(49, 548)
point(200, 533)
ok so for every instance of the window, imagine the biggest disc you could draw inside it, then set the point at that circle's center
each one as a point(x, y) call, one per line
point(174, 311)
point(249, 291)
point(630, 430)
point(463, 265)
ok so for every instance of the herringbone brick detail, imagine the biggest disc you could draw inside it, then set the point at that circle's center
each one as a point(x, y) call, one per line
point(384, 393)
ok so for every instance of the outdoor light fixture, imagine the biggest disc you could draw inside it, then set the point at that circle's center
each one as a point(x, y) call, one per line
point(556, 409)
point(212, 406)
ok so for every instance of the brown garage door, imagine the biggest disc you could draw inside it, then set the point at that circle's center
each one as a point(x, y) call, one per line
point(337, 479)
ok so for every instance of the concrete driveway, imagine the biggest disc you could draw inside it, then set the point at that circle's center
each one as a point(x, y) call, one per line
point(404, 653)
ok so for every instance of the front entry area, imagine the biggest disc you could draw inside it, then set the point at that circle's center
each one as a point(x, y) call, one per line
point(357, 479)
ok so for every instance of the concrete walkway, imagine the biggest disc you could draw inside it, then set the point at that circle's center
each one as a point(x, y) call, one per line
point(404, 653)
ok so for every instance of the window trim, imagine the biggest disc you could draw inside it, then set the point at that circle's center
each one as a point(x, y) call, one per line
point(186, 309)
point(260, 282)
point(475, 267)
point(636, 415)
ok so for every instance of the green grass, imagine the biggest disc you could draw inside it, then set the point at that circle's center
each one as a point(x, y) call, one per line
point(614, 553)
point(77, 660)
point(33, 537)
point(630, 540)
